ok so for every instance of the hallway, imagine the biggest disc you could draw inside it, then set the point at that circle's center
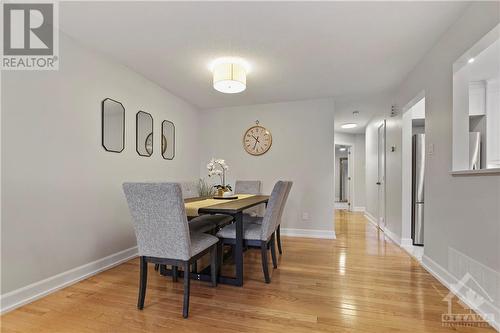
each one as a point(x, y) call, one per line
point(360, 282)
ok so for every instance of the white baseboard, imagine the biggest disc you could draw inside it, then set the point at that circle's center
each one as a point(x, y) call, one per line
point(371, 218)
point(392, 236)
point(415, 251)
point(341, 205)
point(443, 276)
point(406, 242)
point(359, 209)
point(34, 291)
point(326, 234)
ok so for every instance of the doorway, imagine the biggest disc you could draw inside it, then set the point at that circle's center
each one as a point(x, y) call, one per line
point(343, 180)
point(381, 174)
point(413, 172)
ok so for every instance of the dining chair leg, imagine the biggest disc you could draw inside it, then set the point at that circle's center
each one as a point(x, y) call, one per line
point(157, 267)
point(187, 280)
point(278, 240)
point(273, 251)
point(143, 280)
point(175, 274)
point(214, 258)
point(263, 250)
point(194, 267)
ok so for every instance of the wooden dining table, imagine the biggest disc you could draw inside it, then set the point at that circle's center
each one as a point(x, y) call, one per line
point(234, 208)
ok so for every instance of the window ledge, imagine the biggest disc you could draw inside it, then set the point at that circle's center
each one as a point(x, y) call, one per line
point(480, 172)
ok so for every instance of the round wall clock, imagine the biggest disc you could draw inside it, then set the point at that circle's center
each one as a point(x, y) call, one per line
point(257, 140)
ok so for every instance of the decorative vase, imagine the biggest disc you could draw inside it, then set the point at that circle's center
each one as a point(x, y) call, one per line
point(220, 192)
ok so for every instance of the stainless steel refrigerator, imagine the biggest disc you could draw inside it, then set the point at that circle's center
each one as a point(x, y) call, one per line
point(418, 173)
point(474, 150)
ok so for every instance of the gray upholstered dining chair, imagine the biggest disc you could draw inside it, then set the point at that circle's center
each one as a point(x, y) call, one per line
point(202, 223)
point(249, 187)
point(258, 220)
point(260, 235)
point(162, 232)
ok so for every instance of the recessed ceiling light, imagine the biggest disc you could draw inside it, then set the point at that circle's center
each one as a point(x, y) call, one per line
point(470, 61)
point(229, 74)
point(343, 149)
point(349, 125)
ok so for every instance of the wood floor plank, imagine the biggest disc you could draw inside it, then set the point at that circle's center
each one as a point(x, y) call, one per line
point(359, 282)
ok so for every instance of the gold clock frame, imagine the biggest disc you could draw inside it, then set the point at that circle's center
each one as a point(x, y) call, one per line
point(266, 130)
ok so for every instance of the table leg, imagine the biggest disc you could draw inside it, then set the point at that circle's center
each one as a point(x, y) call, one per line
point(238, 249)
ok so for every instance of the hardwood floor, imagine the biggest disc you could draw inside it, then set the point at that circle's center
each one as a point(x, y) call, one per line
point(360, 282)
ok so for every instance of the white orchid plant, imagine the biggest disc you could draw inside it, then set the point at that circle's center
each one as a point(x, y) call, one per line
point(218, 167)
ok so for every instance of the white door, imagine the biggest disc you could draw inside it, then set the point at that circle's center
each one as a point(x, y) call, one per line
point(381, 175)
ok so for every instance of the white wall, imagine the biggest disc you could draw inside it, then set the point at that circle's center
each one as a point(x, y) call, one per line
point(302, 151)
point(462, 214)
point(380, 105)
point(357, 143)
point(62, 202)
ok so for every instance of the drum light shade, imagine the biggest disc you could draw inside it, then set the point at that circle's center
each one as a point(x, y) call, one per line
point(230, 78)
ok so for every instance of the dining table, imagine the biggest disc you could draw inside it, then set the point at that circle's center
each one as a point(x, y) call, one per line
point(233, 207)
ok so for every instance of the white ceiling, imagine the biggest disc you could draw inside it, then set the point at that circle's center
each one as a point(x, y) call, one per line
point(297, 50)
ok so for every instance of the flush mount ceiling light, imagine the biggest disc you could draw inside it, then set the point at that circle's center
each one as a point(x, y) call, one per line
point(230, 75)
point(343, 149)
point(470, 61)
point(349, 125)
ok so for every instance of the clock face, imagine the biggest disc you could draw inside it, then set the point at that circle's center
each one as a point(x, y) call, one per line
point(257, 140)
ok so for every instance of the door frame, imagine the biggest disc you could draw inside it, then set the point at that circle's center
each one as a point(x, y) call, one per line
point(350, 155)
point(407, 166)
point(381, 191)
point(341, 177)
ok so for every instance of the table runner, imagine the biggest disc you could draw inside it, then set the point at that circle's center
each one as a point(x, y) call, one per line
point(193, 206)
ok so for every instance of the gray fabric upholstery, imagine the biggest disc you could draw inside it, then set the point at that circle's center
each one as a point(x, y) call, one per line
point(250, 187)
point(252, 219)
point(160, 222)
point(247, 187)
point(201, 241)
point(250, 231)
point(270, 219)
point(258, 219)
point(190, 190)
point(269, 224)
point(204, 223)
point(285, 198)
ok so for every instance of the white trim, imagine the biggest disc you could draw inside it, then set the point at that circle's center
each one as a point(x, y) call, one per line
point(326, 234)
point(359, 209)
point(34, 291)
point(341, 205)
point(492, 171)
point(415, 251)
point(350, 167)
point(392, 236)
point(371, 218)
point(406, 242)
point(447, 280)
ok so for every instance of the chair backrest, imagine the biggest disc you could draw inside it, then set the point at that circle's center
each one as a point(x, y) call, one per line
point(247, 187)
point(159, 219)
point(190, 190)
point(283, 203)
point(250, 187)
point(273, 210)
